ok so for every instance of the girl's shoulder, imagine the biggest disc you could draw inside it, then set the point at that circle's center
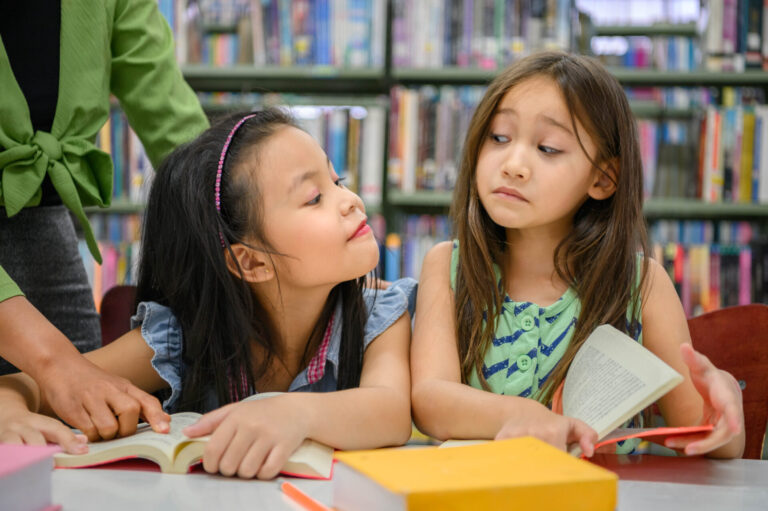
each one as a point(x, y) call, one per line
point(385, 306)
point(162, 332)
point(441, 260)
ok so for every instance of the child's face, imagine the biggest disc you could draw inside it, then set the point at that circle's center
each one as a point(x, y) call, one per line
point(315, 222)
point(531, 171)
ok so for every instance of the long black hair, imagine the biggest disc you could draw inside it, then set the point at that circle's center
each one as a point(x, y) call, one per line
point(183, 265)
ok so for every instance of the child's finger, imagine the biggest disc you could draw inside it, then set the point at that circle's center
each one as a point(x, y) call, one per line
point(53, 431)
point(236, 450)
point(584, 435)
point(31, 436)
point(695, 360)
point(719, 436)
point(216, 447)
point(208, 422)
point(683, 441)
point(273, 462)
point(253, 461)
point(10, 437)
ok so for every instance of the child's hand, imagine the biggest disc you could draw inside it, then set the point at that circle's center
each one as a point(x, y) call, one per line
point(253, 438)
point(30, 428)
point(556, 430)
point(722, 404)
point(99, 404)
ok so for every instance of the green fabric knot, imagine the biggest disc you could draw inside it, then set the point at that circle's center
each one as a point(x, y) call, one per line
point(48, 144)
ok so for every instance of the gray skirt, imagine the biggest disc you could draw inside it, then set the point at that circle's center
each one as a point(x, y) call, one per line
point(38, 249)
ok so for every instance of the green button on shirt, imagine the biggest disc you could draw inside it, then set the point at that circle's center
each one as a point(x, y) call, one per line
point(528, 343)
point(123, 47)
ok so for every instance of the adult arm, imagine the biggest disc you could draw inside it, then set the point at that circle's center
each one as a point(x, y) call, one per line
point(92, 392)
point(159, 105)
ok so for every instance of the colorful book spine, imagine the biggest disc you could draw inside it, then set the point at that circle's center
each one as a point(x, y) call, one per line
point(338, 33)
point(486, 34)
point(713, 264)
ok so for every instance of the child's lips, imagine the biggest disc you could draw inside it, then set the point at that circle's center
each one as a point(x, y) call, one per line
point(509, 193)
point(361, 230)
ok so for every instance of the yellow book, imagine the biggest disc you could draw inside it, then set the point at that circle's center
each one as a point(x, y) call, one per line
point(520, 473)
point(747, 149)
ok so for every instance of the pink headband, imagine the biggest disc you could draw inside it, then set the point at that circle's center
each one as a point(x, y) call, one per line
point(217, 188)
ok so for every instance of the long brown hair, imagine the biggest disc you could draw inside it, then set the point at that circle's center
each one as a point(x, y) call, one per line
point(598, 258)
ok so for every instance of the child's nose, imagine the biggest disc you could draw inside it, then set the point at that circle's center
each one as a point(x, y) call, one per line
point(516, 164)
point(350, 202)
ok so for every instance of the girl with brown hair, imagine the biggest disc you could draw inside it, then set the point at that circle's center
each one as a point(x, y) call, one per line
point(550, 243)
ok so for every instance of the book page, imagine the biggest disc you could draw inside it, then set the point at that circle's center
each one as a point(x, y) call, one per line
point(146, 437)
point(612, 378)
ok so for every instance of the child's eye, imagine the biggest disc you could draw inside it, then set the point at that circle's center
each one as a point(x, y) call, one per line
point(340, 181)
point(316, 200)
point(499, 139)
point(548, 150)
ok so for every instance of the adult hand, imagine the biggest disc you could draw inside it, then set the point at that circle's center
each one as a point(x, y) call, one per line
point(99, 404)
point(723, 406)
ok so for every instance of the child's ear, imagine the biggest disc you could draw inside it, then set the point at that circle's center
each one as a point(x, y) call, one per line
point(254, 264)
point(604, 184)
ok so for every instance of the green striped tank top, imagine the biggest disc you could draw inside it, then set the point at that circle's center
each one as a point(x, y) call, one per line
point(528, 343)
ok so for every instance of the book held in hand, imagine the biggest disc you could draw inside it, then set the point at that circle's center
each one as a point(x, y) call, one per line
point(175, 453)
point(611, 379)
point(25, 477)
point(519, 473)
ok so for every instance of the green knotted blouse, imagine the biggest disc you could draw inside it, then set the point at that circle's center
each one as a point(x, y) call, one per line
point(123, 47)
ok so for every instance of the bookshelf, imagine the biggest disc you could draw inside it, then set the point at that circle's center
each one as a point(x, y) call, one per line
point(307, 80)
point(658, 29)
point(680, 208)
point(374, 86)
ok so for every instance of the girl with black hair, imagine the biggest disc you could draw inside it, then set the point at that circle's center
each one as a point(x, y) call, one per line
point(251, 280)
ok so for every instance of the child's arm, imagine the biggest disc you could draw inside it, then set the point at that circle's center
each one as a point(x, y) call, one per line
point(126, 359)
point(707, 395)
point(255, 438)
point(443, 407)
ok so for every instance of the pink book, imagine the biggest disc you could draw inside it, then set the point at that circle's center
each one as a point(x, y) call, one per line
point(655, 435)
point(16, 457)
point(25, 477)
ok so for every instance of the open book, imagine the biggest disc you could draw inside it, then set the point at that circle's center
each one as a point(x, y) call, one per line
point(611, 379)
point(175, 453)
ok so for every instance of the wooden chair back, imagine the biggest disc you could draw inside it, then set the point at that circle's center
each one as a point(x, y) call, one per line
point(736, 339)
point(117, 307)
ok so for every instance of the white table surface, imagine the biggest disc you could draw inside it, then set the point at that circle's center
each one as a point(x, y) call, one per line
point(650, 485)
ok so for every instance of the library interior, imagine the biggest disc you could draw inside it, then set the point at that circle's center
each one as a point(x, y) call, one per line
point(388, 88)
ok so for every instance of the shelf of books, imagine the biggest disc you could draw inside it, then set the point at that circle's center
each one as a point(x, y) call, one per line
point(388, 88)
point(658, 29)
point(314, 79)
